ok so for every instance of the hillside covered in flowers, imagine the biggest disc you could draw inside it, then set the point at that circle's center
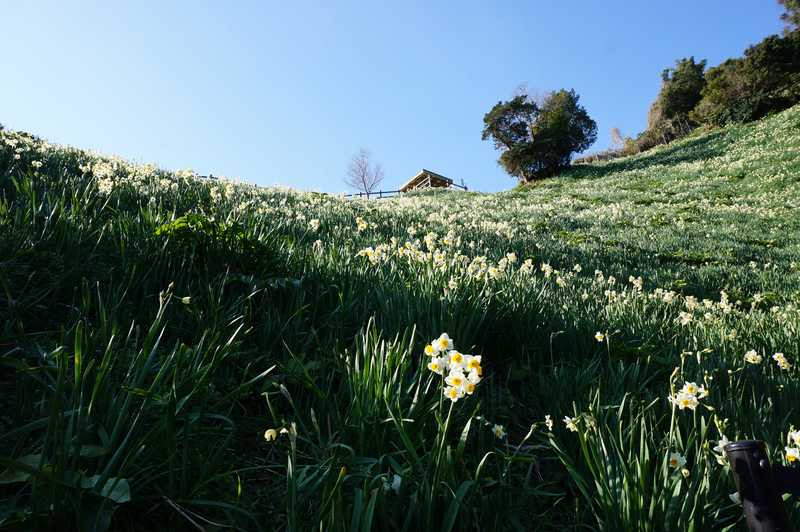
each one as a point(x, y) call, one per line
point(185, 353)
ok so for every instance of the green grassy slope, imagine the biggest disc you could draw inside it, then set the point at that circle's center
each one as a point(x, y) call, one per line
point(154, 325)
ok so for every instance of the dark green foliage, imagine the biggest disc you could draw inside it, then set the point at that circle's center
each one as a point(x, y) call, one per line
point(538, 139)
point(792, 15)
point(562, 129)
point(681, 90)
point(216, 245)
point(669, 116)
point(726, 92)
point(765, 80)
point(508, 124)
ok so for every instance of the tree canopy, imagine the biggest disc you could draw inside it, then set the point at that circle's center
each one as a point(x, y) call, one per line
point(680, 90)
point(766, 79)
point(537, 139)
point(792, 15)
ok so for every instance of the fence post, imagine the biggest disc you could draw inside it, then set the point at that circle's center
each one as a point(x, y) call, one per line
point(761, 499)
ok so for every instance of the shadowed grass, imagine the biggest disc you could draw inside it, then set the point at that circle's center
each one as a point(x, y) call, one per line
point(153, 327)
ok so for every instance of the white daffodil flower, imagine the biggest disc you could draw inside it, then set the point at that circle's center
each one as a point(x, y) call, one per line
point(436, 365)
point(499, 432)
point(676, 460)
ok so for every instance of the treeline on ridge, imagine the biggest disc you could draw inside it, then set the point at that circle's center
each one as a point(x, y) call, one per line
point(765, 80)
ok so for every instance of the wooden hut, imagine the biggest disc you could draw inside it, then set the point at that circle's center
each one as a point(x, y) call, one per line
point(427, 179)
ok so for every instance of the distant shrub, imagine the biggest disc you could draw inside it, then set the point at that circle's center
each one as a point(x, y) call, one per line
point(600, 156)
point(765, 80)
point(619, 142)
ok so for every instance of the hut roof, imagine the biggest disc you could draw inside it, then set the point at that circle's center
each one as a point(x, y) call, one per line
point(426, 178)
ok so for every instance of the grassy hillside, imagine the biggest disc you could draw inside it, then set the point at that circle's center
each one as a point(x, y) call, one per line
point(179, 353)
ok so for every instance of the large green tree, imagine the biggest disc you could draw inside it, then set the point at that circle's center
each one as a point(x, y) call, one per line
point(681, 89)
point(537, 139)
point(669, 117)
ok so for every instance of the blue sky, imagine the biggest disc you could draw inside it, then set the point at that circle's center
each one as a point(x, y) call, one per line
point(273, 93)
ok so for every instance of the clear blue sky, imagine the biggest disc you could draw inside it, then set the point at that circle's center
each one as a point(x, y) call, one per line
point(280, 94)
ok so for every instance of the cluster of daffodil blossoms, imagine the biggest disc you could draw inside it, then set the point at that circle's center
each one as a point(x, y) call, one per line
point(688, 396)
point(461, 372)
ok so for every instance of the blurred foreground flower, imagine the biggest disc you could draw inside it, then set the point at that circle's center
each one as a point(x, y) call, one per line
point(719, 450)
point(751, 357)
point(499, 432)
point(272, 434)
point(792, 454)
point(780, 359)
point(676, 460)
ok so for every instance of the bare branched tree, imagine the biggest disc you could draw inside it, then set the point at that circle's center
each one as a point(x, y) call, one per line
point(362, 174)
